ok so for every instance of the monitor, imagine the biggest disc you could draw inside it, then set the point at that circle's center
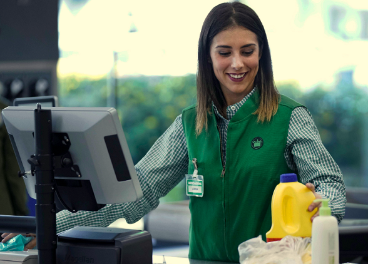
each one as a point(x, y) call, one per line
point(91, 155)
point(45, 101)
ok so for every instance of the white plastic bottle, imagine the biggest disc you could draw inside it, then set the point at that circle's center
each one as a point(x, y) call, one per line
point(325, 236)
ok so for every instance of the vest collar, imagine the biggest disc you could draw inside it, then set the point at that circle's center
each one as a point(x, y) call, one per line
point(246, 110)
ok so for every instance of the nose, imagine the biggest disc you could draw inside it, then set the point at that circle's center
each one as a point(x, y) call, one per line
point(237, 63)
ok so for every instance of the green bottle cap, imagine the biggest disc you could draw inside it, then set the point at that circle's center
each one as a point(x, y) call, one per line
point(325, 209)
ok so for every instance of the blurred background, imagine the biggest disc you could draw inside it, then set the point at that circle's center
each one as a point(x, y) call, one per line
point(141, 57)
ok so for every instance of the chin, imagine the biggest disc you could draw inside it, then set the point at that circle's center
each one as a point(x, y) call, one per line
point(239, 90)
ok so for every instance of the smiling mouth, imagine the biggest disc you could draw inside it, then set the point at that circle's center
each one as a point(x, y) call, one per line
point(237, 77)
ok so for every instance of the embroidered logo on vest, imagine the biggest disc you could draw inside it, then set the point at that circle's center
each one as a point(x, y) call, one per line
point(257, 143)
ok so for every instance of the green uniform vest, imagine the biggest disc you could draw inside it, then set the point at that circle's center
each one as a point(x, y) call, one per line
point(237, 206)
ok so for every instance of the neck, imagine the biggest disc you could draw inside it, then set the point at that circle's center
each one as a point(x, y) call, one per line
point(233, 98)
point(236, 98)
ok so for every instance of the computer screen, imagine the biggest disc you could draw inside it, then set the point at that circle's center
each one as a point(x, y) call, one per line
point(93, 140)
point(45, 101)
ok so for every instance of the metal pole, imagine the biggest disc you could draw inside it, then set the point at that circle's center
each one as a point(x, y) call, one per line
point(45, 207)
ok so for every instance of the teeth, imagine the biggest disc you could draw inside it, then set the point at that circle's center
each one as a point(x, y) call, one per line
point(236, 76)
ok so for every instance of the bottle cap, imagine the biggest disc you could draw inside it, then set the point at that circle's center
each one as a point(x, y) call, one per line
point(288, 177)
point(325, 210)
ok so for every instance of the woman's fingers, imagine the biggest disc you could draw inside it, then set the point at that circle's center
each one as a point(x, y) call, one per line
point(7, 236)
point(311, 187)
point(314, 205)
point(314, 216)
point(31, 244)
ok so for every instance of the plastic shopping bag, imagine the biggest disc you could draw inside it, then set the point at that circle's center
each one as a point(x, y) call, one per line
point(289, 250)
point(17, 243)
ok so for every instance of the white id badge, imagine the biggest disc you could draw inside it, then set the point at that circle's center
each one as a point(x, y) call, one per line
point(194, 185)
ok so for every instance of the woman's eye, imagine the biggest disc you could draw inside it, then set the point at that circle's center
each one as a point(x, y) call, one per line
point(224, 53)
point(247, 53)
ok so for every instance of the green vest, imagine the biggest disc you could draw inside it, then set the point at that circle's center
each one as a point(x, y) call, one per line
point(237, 206)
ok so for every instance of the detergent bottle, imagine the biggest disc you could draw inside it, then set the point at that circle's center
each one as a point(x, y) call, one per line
point(289, 209)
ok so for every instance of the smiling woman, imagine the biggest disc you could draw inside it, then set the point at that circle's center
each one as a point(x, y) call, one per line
point(234, 55)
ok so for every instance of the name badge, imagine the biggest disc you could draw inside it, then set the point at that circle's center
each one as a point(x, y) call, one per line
point(194, 182)
point(194, 185)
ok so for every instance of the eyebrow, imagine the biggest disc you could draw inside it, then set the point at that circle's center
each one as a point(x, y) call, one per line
point(229, 47)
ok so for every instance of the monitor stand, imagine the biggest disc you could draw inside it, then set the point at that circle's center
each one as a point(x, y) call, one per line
point(42, 162)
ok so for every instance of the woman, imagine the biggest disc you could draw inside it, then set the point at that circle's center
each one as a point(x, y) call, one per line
point(243, 135)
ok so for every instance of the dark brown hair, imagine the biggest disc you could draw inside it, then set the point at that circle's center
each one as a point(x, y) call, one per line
point(223, 17)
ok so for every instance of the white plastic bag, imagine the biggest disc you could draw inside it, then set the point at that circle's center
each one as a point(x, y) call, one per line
point(289, 250)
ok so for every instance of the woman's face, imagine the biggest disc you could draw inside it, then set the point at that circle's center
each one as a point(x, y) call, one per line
point(235, 58)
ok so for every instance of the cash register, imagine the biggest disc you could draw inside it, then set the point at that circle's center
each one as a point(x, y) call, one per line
point(79, 158)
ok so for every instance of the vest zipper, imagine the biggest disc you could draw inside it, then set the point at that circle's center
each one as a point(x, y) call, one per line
point(222, 161)
point(223, 180)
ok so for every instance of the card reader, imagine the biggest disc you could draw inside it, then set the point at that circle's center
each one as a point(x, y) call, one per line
point(101, 245)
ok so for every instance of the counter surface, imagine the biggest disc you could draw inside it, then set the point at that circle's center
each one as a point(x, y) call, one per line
point(173, 260)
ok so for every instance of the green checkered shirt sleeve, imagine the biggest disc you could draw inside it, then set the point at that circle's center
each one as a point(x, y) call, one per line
point(160, 170)
point(306, 153)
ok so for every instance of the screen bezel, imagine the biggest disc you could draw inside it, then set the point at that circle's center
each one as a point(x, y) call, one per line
point(28, 101)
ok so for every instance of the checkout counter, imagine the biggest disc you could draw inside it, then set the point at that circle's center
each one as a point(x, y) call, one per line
point(31, 258)
point(353, 238)
point(173, 260)
point(120, 181)
point(112, 245)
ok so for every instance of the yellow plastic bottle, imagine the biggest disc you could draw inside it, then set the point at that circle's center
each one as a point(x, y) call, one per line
point(289, 209)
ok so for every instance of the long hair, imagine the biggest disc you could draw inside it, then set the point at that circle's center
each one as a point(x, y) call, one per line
point(222, 17)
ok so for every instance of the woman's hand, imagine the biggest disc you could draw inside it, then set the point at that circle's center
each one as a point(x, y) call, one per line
point(8, 236)
point(30, 245)
point(314, 205)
